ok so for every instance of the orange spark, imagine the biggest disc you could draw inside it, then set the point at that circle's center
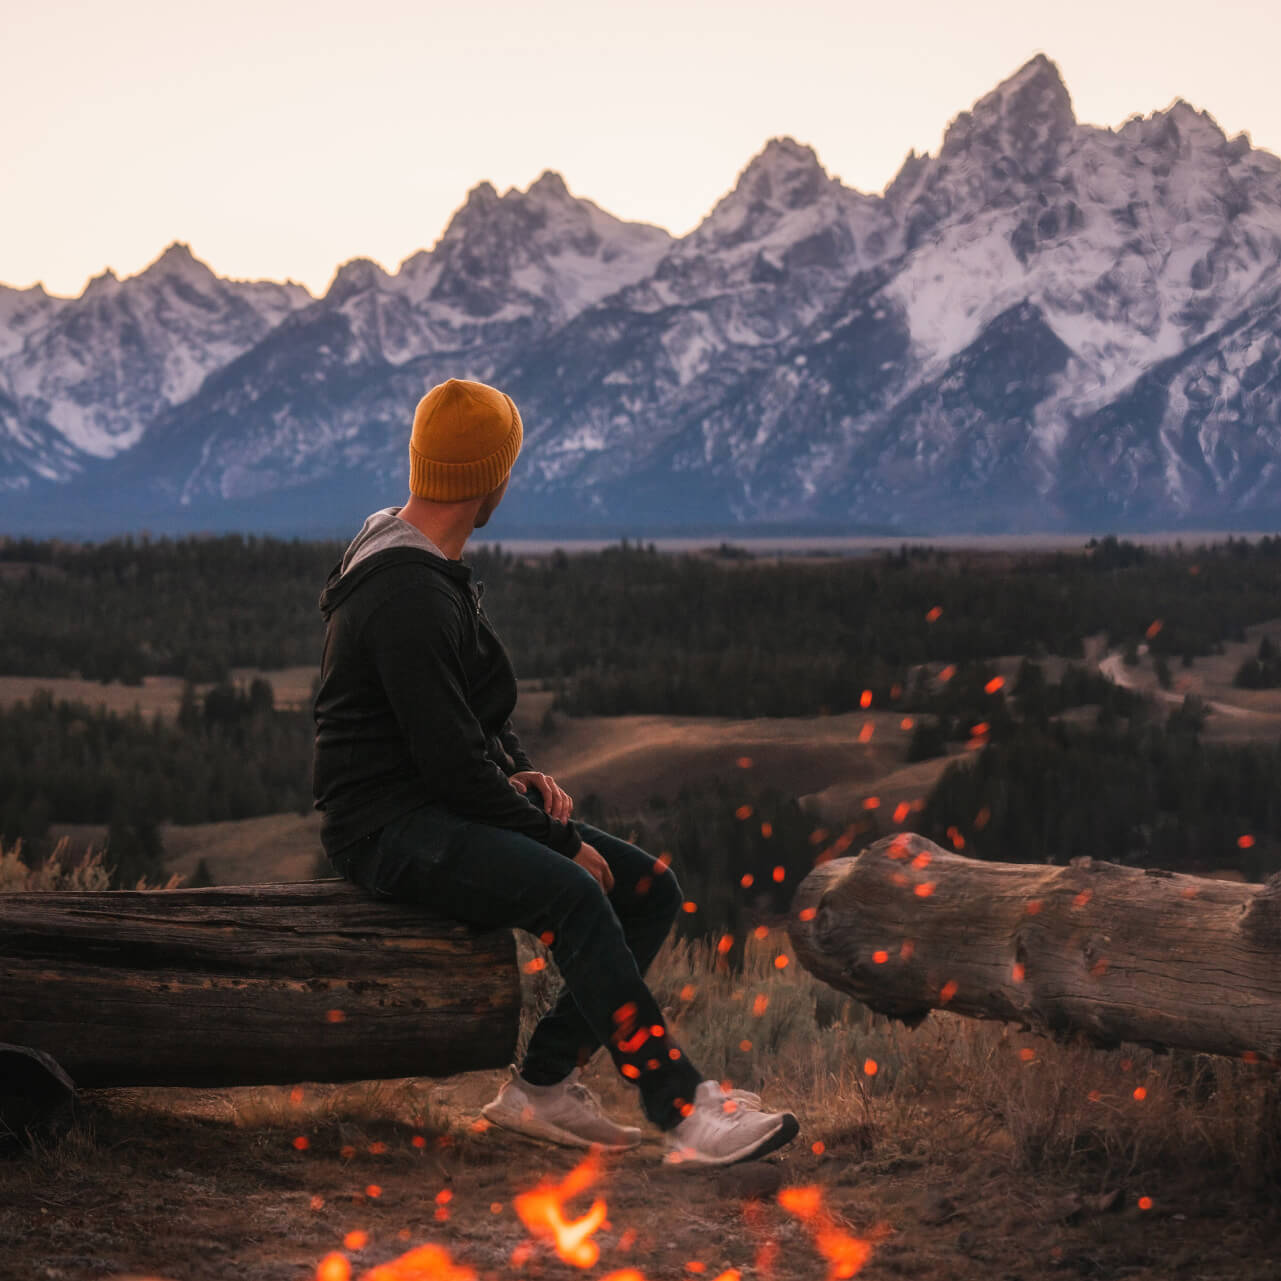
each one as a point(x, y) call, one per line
point(302, 1143)
point(780, 962)
point(1082, 898)
point(1034, 905)
point(356, 1240)
point(317, 1202)
point(760, 1005)
point(982, 818)
point(687, 992)
point(1027, 1054)
point(534, 965)
point(865, 698)
point(1153, 628)
point(906, 723)
point(947, 673)
point(689, 906)
point(295, 1095)
point(760, 931)
point(335, 1016)
point(865, 734)
point(724, 944)
point(418, 1141)
point(745, 1045)
point(541, 1210)
point(1145, 1203)
point(1018, 973)
point(767, 830)
point(808, 913)
point(871, 1067)
point(743, 812)
point(948, 991)
point(924, 889)
point(744, 762)
point(631, 1071)
point(922, 859)
point(934, 614)
point(663, 861)
point(1140, 1093)
point(901, 811)
point(333, 1267)
point(746, 880)
point(997, 682)
point(373, 1190)
point(880, 957)
point(547, 938)
point(872, 803)
point(1245, 842)
point(779, 873)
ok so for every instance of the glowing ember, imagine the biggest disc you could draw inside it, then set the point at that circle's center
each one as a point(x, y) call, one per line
point(333, 1267)
point(1140, 1093)
point(744, 762)
point(779, 873)
point(687, 992)
point(872, 803)
point(865, 698)
point(1153, 628)
point(780, 962)
point(818, 1147)
point(865, 734)
point(901, 811)
point(1145, 1203)
point(302, 1143)
point(1245, 842)
point(924, 889)
point(906, 723)
point(334, 1016)
point(533, 966)
point(743, 812)
point(723, 945)
point(760, 1005)
point(767, 830)
point(871, 1067)
point(689, 906)
point(356, 1240)
point(1082, 898)
point(948, 991)
point(947, 673)
point(541, 1210)
point(1018, 973)
point(934, 614)
point(1027, 1054)
point(997, 682)
point(746, 880)
point(880, 957)
point(808, 913)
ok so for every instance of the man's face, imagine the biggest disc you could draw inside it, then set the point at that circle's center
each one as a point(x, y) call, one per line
point(492, 499)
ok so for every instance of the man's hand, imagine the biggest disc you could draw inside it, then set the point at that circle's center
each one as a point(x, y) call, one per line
point(590, 858)
point(558, 804)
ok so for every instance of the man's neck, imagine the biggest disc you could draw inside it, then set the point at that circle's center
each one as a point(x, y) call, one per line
point(448, 525)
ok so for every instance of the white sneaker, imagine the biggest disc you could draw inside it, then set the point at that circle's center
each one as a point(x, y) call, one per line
point(567, 1113)
point(727, 1126)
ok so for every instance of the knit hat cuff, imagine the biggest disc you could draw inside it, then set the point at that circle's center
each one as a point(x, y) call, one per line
point(453, 482)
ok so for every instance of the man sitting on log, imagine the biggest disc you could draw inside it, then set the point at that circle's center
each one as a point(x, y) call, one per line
point(427, 797)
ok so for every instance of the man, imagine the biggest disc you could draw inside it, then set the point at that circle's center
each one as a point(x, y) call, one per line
point(428, 797)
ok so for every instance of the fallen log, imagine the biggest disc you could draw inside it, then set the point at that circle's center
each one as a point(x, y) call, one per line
point(1115, 953)
point(252, 985)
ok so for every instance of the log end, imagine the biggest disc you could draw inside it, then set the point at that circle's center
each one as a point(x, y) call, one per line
point(37, 1098)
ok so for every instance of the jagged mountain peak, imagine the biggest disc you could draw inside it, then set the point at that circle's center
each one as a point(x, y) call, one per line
point(549, 185)
point(354, 277)
point(1025, 118)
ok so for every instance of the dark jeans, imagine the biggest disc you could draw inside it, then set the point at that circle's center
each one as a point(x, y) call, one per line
point(493, 878)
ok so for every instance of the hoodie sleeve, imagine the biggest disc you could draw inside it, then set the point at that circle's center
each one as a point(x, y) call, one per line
point(511, 745)
point(415, 641)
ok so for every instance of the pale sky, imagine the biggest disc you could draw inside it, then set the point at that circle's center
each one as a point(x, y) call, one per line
point(281, 139)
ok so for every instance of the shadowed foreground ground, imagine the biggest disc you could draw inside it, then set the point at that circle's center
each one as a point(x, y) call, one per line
point(958, 1150)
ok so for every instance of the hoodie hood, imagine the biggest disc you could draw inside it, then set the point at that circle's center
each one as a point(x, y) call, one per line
point(384, 540)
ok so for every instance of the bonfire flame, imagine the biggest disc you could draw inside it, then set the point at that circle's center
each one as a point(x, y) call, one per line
point(541, 1210)
point(846, 1254)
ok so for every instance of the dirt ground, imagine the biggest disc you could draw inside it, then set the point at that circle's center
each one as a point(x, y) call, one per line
point(169, 1188)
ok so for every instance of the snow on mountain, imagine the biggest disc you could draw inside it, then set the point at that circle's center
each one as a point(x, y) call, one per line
point(99, 368)
point(1047, 324)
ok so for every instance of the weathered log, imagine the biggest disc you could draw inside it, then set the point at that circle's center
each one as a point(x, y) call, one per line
point(1116, 953)
point(252, 985)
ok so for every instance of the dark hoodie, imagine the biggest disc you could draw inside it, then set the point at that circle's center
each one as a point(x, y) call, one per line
point(416, 696)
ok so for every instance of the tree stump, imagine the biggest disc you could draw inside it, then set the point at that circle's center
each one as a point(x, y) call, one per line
point(1116, 953)
point(252, 985)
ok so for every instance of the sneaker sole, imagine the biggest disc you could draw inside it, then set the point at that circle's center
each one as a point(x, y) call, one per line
point(535, 1129)
point(788, 1128)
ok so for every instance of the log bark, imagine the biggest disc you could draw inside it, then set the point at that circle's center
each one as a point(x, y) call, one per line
point(1115, 953)
point(252, 985)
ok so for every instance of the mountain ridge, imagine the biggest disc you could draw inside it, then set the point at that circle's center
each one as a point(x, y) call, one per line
point(1046, 324)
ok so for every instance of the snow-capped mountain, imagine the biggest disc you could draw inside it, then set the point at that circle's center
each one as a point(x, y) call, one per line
point(1045, 325)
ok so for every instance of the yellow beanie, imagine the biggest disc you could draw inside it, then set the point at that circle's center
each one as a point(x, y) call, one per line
point(466, 437)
